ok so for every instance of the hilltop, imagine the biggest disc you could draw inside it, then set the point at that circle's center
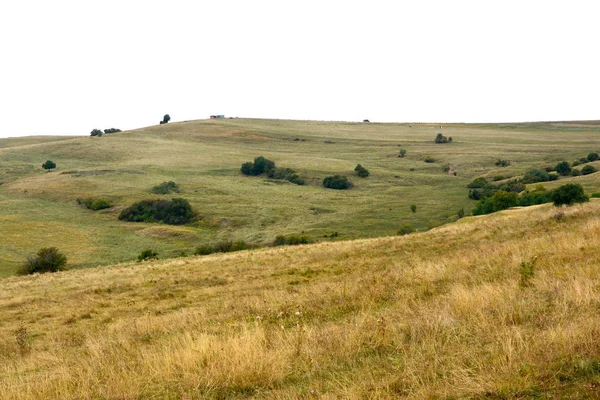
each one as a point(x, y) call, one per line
point(39, 208)
point(492, 307)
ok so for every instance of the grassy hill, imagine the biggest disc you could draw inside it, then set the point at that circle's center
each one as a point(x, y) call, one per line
point(38, 208)
point(495, 307)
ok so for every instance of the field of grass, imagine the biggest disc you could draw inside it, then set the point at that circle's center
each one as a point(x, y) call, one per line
point(502, 306)
point(38, 208)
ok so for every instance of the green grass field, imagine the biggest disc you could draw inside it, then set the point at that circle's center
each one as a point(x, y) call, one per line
point(38, 208)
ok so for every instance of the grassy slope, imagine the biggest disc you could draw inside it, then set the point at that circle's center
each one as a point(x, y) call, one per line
point(38, 209)
point(439, 314)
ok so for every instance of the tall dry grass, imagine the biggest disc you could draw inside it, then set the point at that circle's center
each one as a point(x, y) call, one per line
point(440, 314)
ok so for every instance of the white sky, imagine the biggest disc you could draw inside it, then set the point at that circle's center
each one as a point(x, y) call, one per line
point(70, 66)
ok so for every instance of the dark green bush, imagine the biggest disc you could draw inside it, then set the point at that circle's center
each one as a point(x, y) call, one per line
point(568, 194)
point(429, 159)
point(225, 246)
point(501, 200)
point(405, 230)
point(166, 188)
point(48, 259)
point(478, 183)
point(147, 254)
point(588, 169)
point(175, 212)
point(285, 173)
point(94, 203)
point(96, 132)
point(112, 130)
point(537, 196)
point(441, 139)
point(402, 153)
point(361, 171)
point(337, 182)
point(563, 168)
point(49, 164)
point(596, 195)
point(291, 240)
point(260, 166)
point(165, 119)
point(413, 208)
point(593, 157)
point(575, 172)
point(502, 163)
point(535, 175)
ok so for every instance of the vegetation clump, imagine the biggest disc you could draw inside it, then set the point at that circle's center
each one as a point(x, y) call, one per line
point(361, 171)
point(568, 194)
point(287, 174)
point(49, 164)
point(563, 168)
point(405, 230)
point(593, 157)
point(442, 139)
point(261, 165)
point(147, 254)
point(48, 259)
point(166, 188)
point(337, 182)
point(502, 163)
point(96, 132)
point(176, 211)
point(429, 160)
point(165, 119)
point(402, 153)
point(291, 240)
point(588, 169)
point(94, 203)
point(225, 246)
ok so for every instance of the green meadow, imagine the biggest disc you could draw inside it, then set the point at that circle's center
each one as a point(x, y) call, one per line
point(38, 208)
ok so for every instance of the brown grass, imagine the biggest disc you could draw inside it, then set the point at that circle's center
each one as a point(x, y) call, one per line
point(440, 314)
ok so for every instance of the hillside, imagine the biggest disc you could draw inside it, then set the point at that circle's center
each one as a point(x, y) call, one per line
point(493, 307)
point(39, 209)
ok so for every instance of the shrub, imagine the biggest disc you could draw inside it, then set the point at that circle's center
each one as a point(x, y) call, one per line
point(441, 138)
point(112, 130)
point(429, 159)
point(361, 171)
point(502, 163)
point(291, 240)
point(588, 169)
point(563, 168)
point(535, 175)
point(337, 182)
point(537, 196)
point(413, 208)
point(225, 246)
point(501, 200)
point(96, 132)
point(402, 153)
point(165, 119)
point(285, 173)
point(526, 270)
point(260, 165)
point(175, 212)
point(593, 157)
point(568, 194)
point(94, 203)
point(405, 230)
point(461, 213)
point(48, 259)
point(147, 254)
point(596, 195)
point(49, 164)
point(166, 188)
point(478, 183)
point(575, 172)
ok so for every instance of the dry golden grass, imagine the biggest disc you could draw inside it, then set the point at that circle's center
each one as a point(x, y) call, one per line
point(440, 314)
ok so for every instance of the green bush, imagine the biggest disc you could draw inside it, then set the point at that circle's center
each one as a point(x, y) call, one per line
point(337, 182)
point(502, 163)
point(593, 157)
point(563, 168)
point(165, 119)
point(147, 254)
point(112, 130)
point(405, 230)
point(285, 173)
point(478, 183)
point(96, 132)
point(429, 159)
point(291, 240)
point(260, 166)
point(501, 200)
point(441, 139)
point(588, 169)
point(175, 212)
point(166, 188)
point(225, 246)
point(413, 208)
point(575, 172)
point(49, 164)
point(95, 203)
point(596, 195)
point(48, 259)
point(402, 153)
point(568, 194)
point(361, 171)
point(535, 175)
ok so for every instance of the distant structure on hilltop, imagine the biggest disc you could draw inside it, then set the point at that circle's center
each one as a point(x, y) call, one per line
point(217, 116)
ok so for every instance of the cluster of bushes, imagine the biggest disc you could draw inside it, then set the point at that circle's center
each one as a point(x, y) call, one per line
point(566, 169)
point(166, 188)
point(337, 182)
point(98, 132)
point(361, 171)
point(49, 164)
point(501, 200)
point(94, 203)
point(291, 240)
point(481, 188)
point(174, 212)
point(262, 165)
point(48, 259)
point(226, 246)
point(442, 139)
point(405, 230)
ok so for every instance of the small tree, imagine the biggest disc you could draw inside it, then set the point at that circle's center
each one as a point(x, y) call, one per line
point(49, 164)
point(568, 194)
point(593, 157)
point(402, 153)
point(441, 138)
point(336, 182)
point(165, 119)
point(361, 171)
point(48, 259)
point(147, 254)
point(413, 208)
point(563, 168)
point(588, 169)
point(112, 130)
point(96, 132)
